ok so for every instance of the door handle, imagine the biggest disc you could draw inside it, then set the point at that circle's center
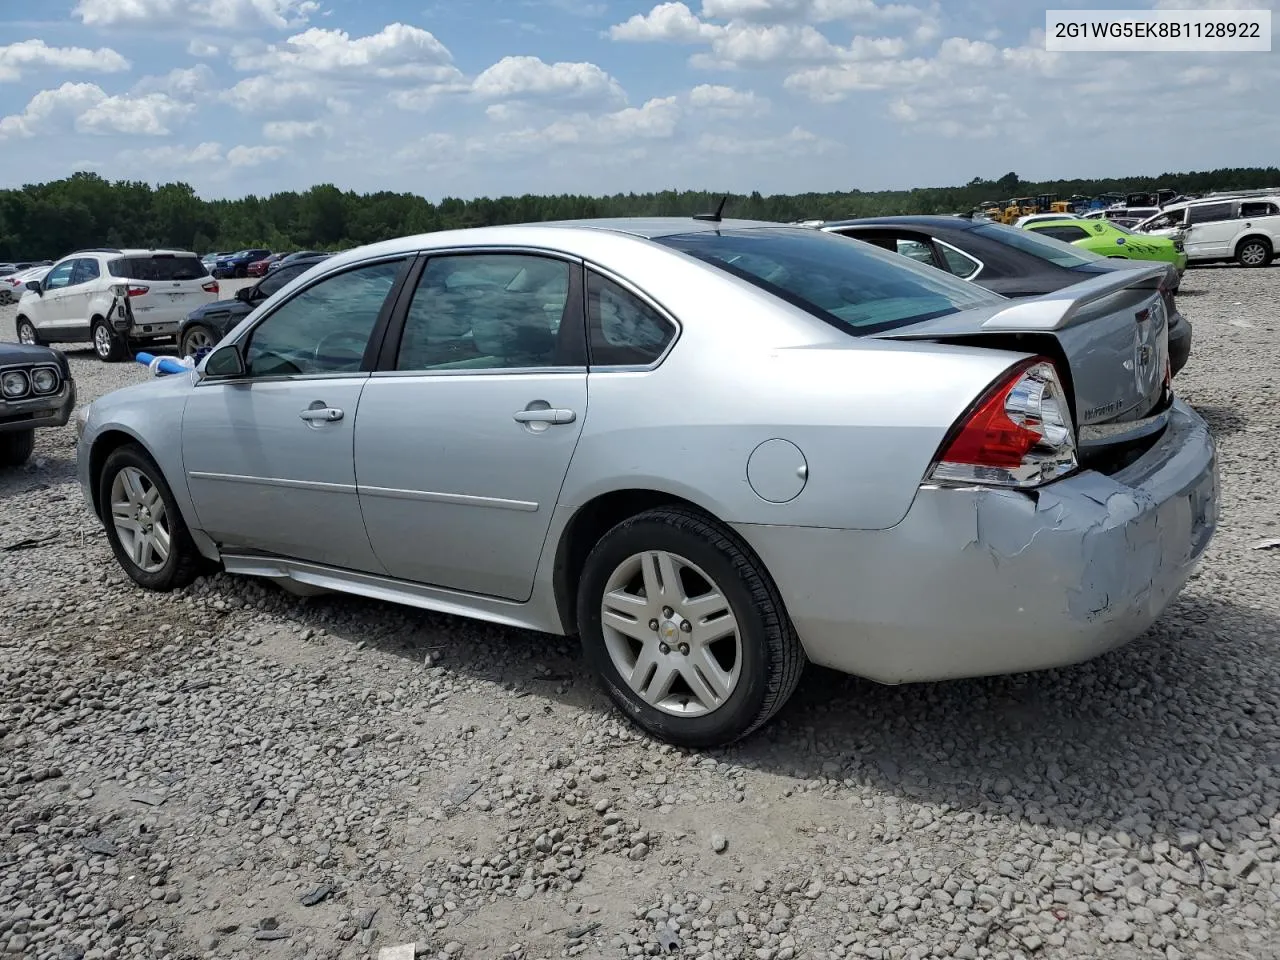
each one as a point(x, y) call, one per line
point(551, 415)
point(323, 414)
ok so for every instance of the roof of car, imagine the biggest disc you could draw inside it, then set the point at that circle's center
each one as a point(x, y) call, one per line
point(135, 252)
point(912, 220)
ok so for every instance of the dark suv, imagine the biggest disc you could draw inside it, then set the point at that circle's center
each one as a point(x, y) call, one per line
point(206, 325)
point(237, 264)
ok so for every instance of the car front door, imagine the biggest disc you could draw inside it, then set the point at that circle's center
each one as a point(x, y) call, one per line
point(465, 433)
point(1211, 229)
point(50, 316)
point(269, 449)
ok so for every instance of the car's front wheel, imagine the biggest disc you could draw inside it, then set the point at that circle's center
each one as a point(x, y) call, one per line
point(107, 344)
point(26, 331)
point(16, 447)
point(144, 526)
point(195, 338)
point(1254, 253)
point(686, 630)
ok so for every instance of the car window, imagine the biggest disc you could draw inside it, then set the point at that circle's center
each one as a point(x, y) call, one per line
point(158, 268)
point(84, 270)
point(623, 330)
point(59, 276)
point(853, 286)
point(1209, 213)
point(1062, 232)
point(324, 328)
point(916, 250)
point(486, 312)
point(958, 262)
point(278, 279)
point(1054, 251)
point(1258, 209)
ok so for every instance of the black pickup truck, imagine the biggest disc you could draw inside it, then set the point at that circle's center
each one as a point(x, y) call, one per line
point(36, 390)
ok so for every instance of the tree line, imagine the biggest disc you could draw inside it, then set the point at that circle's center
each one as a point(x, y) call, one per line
point(49, 220)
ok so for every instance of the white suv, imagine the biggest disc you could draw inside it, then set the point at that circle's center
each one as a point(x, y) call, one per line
point(114, 298)
point(1244, 229)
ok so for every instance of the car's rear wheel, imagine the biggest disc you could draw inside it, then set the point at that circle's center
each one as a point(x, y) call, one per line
point(685, 629)
point(144, 526)
point(26, 331)
point(1254, 252)
point(16, 447)
point(107, 344)
point(195, 338)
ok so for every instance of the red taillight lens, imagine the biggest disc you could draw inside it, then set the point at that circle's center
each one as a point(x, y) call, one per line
point(1018, 434)
point(210, 287)
point(138, 290)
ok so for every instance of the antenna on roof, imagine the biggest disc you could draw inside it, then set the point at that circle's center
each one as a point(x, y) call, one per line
point(713, 217)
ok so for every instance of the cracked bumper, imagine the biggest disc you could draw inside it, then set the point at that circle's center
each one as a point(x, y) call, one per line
point(982, 582)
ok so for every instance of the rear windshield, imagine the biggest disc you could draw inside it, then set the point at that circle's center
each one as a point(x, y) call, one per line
point(158, 267)
point(852, 285)
point(1037, 244)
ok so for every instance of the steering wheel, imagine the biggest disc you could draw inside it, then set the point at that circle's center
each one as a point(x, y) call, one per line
point(348, 358)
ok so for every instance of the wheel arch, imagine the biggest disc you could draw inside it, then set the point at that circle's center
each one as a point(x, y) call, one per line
point(1248, 237)
point(596, 517)
point(104, 444)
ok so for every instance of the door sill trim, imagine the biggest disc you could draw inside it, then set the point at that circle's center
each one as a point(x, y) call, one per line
point(511, 613)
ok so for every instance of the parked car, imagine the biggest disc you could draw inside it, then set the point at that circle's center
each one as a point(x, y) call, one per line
point(259, 267)
point(237, 264)
point(114, 298)
point(1006, 260)
point(1243, 229)
point(290, 257)
point(36, 391)
point(208, 324)
point(13, 286)
point(797, 448)
point(1108, 238)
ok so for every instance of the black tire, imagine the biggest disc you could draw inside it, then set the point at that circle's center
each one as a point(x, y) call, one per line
point(16, 447)
point(185, 348)
point(184, 562)
point(1254, 252)
point(23, 325)
point(241, 272)
point(772, 656)
point(108, 345)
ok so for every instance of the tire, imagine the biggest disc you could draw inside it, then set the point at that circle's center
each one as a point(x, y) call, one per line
point(194, 338)
point(241, 272)
point(107, 344)
point(26, 332)
point(768, 658)
point(1254, 252)
point(16, 447)
point(137, 472)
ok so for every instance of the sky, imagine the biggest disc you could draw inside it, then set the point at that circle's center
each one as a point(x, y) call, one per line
point(469, 98)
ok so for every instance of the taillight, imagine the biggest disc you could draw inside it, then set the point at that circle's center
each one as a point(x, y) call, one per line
point(210, 287)
point(1018, 434)
point(138, 290)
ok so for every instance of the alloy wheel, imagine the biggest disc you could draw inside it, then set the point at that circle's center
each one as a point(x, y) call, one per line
point(671, 634)
point(197, 339)
point(102, 341)
point(26, 334)
point(1253, 254)
point(140, 521)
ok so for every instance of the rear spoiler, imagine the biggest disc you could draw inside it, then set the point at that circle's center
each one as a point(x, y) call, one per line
point(1054, 311)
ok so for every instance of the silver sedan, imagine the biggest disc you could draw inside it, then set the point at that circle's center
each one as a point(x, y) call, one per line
point(714, 451)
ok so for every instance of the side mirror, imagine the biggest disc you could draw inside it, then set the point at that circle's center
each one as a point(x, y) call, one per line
point(34, 286)
point(226, 361)
point(245, 294)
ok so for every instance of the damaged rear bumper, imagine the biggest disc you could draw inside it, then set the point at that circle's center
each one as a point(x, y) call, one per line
point(981, 582)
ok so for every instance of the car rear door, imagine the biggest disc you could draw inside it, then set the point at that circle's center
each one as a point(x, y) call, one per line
point(269, 451)
point(1258, 218)
point(465, 432)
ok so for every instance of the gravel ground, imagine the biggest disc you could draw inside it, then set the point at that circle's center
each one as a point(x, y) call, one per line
point(229, 771)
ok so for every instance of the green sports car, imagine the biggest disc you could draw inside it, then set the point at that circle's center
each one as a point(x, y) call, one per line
point(1112, 240)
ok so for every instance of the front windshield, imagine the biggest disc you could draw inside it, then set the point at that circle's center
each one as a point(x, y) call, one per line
point(1055, 251)
point(850, 284)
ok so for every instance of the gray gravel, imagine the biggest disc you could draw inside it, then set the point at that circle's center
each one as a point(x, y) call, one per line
point(232, 772)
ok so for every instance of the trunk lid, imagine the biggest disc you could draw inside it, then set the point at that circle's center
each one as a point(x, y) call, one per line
point(1110, 331)
point(175, 285)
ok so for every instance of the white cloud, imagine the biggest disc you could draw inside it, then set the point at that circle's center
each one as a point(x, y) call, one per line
point(670, 22)
point(796, 142)
point(656, 119)
point(268, 95)
point(805, 11)
point(709, 99)
point(396, 52)
point(25, 55)
point(287, 131)
point(517, 78)
point(184, 83)
point(244, 156)
point(201, 48)
point(223, 14)
point(174, 156)
point(86, 108)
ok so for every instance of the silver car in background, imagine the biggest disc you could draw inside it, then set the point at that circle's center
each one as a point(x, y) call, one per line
point(712, 450)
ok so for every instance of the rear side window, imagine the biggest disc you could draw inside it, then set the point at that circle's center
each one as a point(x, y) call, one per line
point(854, 286)
point(1258, 209)
point(623, 330)
point(158, 268)
point(1033, 242)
